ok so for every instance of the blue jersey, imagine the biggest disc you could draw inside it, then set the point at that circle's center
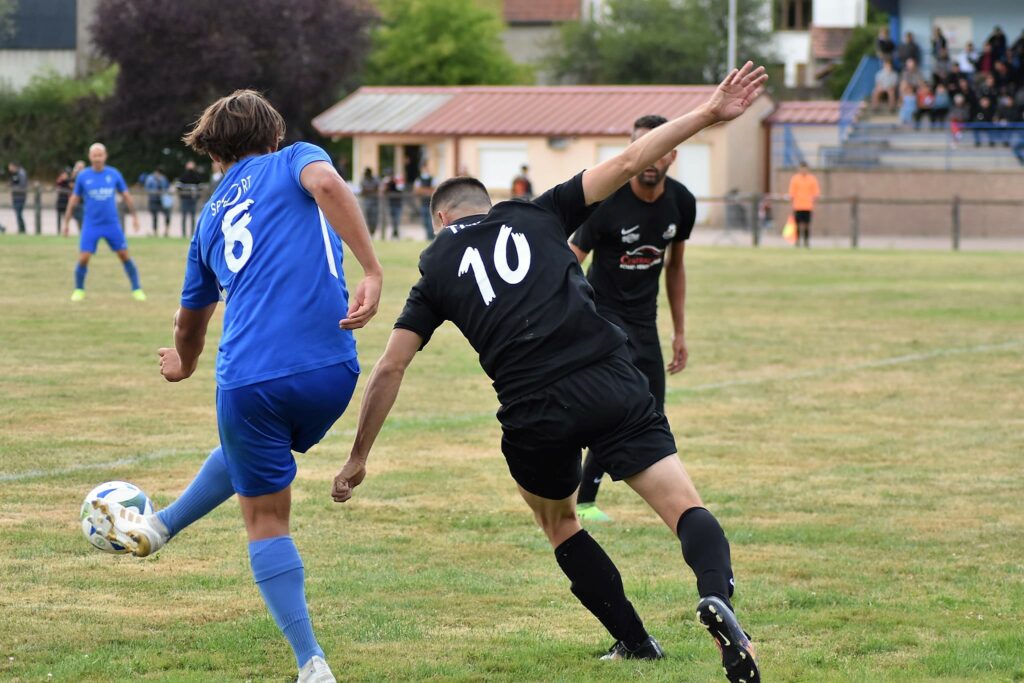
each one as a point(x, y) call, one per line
point(99, 190)
point(263, 239)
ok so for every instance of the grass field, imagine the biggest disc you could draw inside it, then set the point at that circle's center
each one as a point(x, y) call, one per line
point(855, 420)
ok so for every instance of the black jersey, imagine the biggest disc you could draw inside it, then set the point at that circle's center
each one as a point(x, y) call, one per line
point(512, 286)
point(628, 238)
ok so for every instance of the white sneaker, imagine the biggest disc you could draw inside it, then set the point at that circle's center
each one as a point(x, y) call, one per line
point(316, 671)
point(142, 535)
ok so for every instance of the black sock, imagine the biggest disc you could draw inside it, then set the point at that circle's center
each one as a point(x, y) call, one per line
point(591, 482)
point(598, 585)
point(706, 550)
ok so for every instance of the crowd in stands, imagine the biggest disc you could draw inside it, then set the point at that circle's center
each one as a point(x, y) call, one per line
point(984, 88)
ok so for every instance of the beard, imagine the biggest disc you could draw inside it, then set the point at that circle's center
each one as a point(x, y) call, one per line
point(651, 176)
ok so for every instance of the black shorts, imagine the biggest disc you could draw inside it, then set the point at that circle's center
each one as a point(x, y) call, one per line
point(607, 406)
point(644, 350)
point(802, 216)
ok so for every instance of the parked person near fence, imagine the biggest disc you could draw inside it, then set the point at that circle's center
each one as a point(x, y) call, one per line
point(803, 191)
point(187, 186)
point(392, 189)
point(19, 192)
point(156, 185)
point(522, 188)
point(886, 81)
point(369, 198)
point(424, 188)
point(63, 186)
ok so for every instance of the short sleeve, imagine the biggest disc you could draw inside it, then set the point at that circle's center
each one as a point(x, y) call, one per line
point(567, 202)
point(119, 183)
point(687, 206)
point(420, 313)
point(301, 155)
point(79, 190)
point(200, 288)
point(584, 237)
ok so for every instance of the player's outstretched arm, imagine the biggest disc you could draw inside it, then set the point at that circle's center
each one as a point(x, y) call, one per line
point(342, 211)
point(733, 96)
point(189, 339)
point(379, 397)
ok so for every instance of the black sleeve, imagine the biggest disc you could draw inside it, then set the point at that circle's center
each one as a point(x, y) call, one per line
point(687, 212)
point(420, 314)
point(585, 237)
point(567, 202)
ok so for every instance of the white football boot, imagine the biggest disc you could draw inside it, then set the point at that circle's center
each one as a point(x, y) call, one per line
point(142, 535)
point(316, 671)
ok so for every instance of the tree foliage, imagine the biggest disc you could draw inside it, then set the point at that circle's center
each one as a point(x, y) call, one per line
point(177, 57)
point(659, 41)
point(52, 121)
point(440, 42)
point(7, 18)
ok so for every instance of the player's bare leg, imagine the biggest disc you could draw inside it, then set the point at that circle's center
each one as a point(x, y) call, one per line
point(596, 581)
point(278, 571)
point(667, 488)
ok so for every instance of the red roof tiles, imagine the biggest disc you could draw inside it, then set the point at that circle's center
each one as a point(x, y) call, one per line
point(541, 11)
point(806, 111)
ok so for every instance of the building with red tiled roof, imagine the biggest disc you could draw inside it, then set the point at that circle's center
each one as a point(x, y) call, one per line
point(490, 131)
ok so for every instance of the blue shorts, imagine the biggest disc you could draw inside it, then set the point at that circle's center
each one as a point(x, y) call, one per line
point(261, 424)
point(91, 237)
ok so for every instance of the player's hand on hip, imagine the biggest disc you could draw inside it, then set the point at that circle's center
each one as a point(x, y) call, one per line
point(170, 365)
point(363, 305)
point(351, 475)
point(737, 92)
point(680, 354)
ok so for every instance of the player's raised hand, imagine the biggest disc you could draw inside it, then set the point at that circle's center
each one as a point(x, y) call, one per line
point(363, 305)
point(351, 475)
point(170, 365)
point(737, 92)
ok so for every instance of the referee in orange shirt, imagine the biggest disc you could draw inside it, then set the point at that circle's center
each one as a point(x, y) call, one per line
point(803, 190)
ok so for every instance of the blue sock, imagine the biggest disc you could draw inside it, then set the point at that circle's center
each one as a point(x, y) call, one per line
point(210, 488)
point(133, 273)
point(277, 568)
point(80, 272)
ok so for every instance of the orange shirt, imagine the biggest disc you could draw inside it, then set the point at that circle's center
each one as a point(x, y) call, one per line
point(803, 189)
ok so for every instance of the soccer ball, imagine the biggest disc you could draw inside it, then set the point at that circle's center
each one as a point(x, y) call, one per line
point(128, 495)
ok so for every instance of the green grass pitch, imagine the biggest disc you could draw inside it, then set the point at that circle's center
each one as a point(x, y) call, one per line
point(854, 419)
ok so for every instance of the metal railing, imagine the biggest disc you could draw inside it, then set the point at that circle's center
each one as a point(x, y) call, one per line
point(857, 90)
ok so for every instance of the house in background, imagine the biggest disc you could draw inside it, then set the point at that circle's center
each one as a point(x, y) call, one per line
point(490, 132)
point(49, 36)
point(533, 27)
point(809, 36)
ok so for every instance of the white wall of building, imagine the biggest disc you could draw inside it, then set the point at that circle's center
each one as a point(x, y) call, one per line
point(840, 13)
point(17, 67)
point(792, 48)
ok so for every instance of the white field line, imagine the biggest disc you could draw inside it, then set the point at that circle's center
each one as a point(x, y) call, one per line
point(6, 477)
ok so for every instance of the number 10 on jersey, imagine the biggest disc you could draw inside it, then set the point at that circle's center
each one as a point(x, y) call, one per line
point(472, 260)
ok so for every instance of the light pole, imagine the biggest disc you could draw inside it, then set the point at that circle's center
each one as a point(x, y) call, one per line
point(732, 35)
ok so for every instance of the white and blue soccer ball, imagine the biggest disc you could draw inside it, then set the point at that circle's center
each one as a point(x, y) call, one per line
point(128, 495)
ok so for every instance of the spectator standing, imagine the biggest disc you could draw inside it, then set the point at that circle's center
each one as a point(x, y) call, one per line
point(967, 59)
point(939, 43)
point(19, 192)
point(886, 81)
point(156, 184)
point(908, 50)
point(884, 46)
point(522, 188)
point(997, 41)
point(392, 189)
point(803, 191)
point(63, 186)
point(369, 197)
point(187, 186)
point(424, 188)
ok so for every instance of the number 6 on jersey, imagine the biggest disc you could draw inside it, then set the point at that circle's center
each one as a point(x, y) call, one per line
point(471, 260)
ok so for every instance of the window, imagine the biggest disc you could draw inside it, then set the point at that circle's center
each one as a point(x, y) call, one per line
point(499, 163)
point(793, 15)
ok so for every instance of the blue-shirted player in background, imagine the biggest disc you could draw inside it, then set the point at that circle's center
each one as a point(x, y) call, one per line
point(286, 368)
point(99, 185)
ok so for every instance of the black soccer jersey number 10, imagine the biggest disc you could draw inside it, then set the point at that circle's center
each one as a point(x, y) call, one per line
point(472, 260)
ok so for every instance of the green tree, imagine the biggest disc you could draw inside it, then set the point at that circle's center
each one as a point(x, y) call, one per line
point(659, 41)
point(7, 18)
point(862, 44)
point(440, 42)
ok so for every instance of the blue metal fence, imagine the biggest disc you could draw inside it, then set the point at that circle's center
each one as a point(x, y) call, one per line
point(857, 90)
